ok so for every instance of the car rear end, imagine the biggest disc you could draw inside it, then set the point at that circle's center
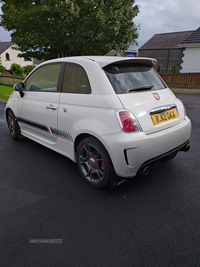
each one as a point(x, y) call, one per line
point(153, 121)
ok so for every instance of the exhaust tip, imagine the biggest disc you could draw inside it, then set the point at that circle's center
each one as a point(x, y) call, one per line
point(187, 147)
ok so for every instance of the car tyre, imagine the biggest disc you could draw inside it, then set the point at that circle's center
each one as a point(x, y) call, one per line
point(94, 162)
point(13, 126)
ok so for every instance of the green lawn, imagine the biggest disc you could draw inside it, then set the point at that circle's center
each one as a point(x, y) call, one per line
point(5, 91)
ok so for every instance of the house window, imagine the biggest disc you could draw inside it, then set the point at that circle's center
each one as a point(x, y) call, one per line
point(7, 57)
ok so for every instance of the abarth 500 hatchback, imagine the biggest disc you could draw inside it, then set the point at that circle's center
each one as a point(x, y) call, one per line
point(114, 116)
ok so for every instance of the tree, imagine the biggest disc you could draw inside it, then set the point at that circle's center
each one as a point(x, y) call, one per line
point(56, 28)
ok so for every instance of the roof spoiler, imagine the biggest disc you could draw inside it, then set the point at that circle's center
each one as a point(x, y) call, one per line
point(147, 61)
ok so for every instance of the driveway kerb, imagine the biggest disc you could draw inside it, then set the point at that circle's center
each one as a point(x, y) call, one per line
point(185, 91)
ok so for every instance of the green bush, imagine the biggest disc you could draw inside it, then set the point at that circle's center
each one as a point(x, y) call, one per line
point(16, 75)
point(16, 69)
point(2, 69)
point(27, 69)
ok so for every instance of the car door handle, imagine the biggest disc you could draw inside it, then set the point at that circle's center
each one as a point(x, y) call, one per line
point(51, 107)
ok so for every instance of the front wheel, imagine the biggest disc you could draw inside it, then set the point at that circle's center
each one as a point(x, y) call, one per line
point(94, 162)
point(13, 125)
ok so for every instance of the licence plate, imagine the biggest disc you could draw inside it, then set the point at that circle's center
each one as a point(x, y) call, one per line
point(164, 116)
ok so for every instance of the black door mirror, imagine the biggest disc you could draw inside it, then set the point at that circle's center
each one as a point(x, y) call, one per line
point(20, 88)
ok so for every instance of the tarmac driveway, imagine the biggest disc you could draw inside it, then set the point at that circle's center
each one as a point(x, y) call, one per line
point(50, 217)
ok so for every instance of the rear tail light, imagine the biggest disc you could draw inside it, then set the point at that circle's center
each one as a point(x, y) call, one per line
point(127, 121)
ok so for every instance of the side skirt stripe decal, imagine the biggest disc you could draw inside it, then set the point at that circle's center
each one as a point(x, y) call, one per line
point(50, 130)
point(31, 123)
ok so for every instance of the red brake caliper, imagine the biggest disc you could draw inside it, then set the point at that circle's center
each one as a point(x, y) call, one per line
point(102, 166)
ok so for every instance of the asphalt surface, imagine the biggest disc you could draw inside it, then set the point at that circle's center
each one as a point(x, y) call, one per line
point(49, 216)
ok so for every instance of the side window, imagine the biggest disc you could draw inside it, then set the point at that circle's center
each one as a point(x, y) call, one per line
point(75, 80)
point(44, 79)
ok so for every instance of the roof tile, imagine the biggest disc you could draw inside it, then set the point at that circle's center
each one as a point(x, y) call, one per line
point(193, 38)
point(166, 40)
point(4, 46)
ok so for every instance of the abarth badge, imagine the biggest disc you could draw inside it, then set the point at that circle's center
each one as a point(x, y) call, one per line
point(156, 96)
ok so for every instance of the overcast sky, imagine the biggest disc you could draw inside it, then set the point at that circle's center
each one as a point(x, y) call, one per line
point(158, 17)
point(166, 16)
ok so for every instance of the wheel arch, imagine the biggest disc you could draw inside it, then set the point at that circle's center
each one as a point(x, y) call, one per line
point(82, 136)
point(13, 124)
point(106, 160)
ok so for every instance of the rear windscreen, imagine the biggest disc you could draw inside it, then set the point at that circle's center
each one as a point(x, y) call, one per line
point(129, 77)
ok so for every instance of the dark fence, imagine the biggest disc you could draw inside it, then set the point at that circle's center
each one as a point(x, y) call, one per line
point(182, 80)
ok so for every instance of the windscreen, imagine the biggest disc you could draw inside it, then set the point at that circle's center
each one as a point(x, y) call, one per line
point(129, 77)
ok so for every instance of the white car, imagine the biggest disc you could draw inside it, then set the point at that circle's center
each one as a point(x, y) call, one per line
point(114, 116)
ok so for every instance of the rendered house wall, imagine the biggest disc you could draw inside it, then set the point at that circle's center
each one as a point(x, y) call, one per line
point(191, 60)
point(13, 58)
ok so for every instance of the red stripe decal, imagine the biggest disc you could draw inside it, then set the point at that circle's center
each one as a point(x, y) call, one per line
point(48, 129)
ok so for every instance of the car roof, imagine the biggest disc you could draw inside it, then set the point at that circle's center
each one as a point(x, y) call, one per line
point(103, 61)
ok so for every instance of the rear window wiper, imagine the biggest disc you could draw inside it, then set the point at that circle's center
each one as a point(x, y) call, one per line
point(144, 87)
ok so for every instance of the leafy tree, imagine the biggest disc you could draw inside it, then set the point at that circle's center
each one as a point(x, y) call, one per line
point(56, 28)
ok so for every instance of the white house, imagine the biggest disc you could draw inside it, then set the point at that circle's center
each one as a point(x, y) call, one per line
point(190, 60)
point(8, 56)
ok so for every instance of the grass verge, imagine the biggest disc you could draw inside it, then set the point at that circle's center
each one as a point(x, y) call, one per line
point(5, 91)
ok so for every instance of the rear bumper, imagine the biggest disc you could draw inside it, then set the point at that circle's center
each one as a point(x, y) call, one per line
point(166, 156)
point(132, 152)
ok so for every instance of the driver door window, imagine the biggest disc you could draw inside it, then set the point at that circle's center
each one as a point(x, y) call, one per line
point(44, 79)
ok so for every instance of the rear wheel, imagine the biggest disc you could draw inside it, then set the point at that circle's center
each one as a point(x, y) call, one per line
point(13, 125)
point(94, 162)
